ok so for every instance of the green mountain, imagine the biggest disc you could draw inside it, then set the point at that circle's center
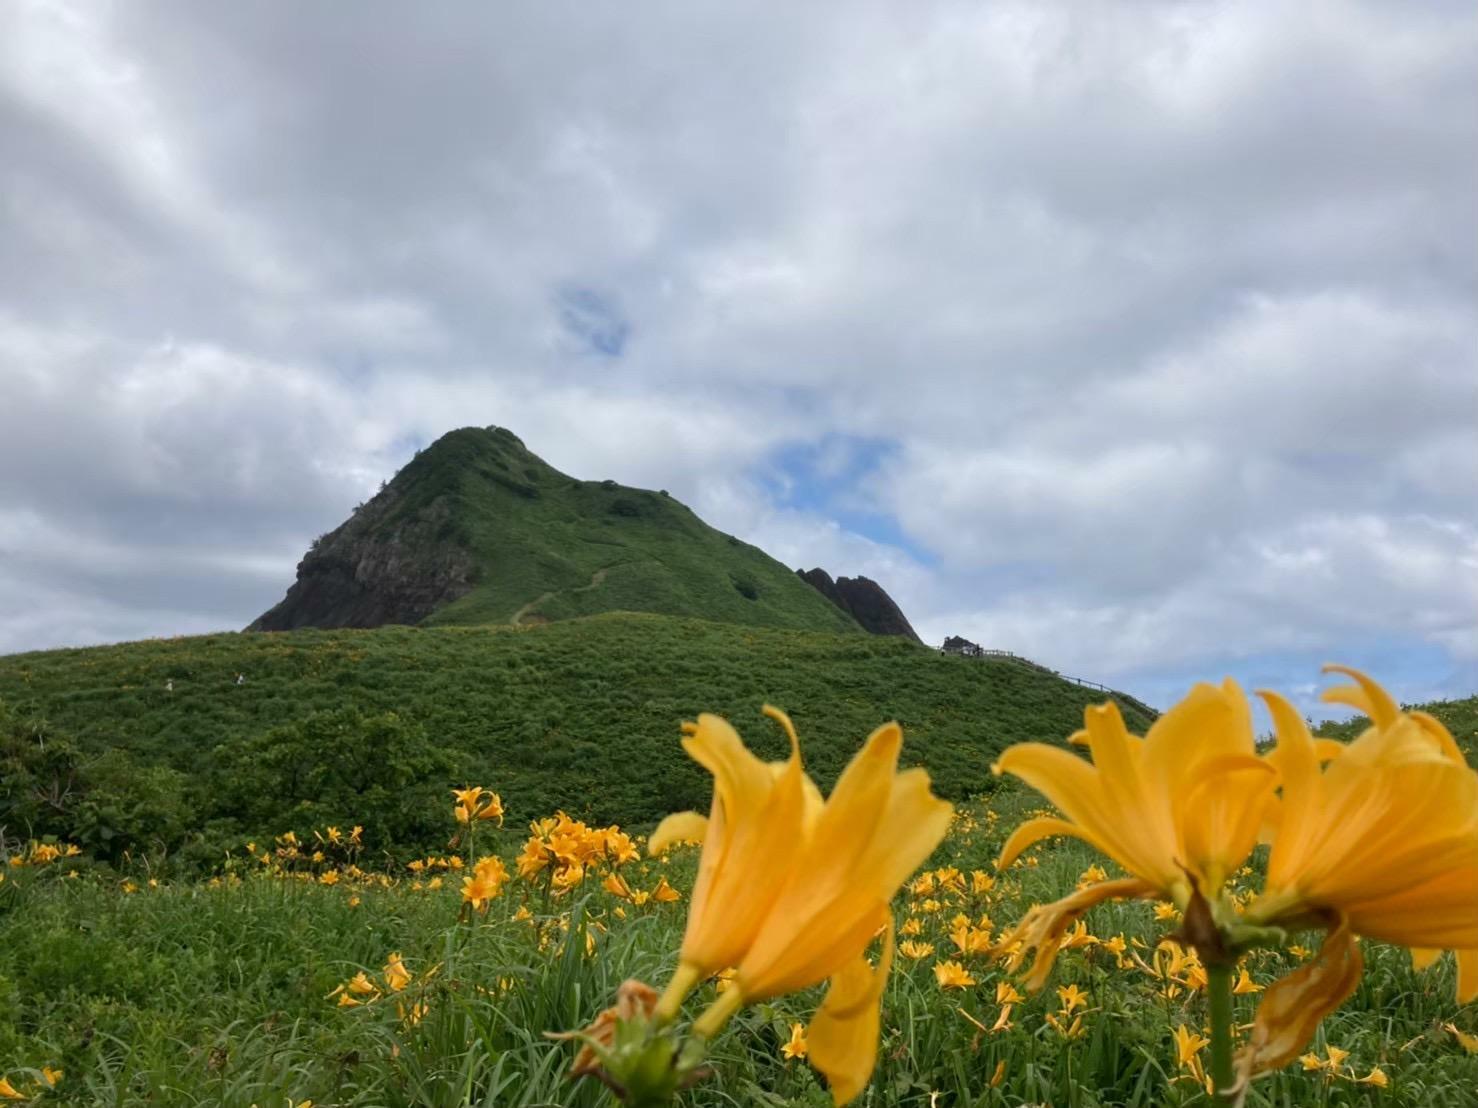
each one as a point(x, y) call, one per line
point(476, 529)
point(148, 743)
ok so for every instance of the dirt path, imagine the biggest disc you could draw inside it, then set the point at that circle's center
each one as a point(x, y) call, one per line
point(595, 579)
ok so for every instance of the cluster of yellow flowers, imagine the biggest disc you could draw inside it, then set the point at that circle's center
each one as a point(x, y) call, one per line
point(475, 804)
point(564, 850)
point(1332, 1066)
point(46, 1078)
point(1378, 837)
point(394, 978)
point(330, 844)
point(42, 854)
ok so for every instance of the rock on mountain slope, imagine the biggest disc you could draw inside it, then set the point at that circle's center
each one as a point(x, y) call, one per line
point(477, 529)
point(864, 600)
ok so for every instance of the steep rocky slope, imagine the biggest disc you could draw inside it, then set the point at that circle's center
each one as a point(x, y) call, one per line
point(864, 600)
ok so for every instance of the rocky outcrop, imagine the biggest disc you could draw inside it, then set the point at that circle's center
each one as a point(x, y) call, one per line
point(385, 564)
point(864, 600)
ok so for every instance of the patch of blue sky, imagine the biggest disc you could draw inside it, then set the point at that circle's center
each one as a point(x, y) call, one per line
point(403, 447)
point(829, 477)
point(1412, 670)
point(353, 367)
point(592, 319)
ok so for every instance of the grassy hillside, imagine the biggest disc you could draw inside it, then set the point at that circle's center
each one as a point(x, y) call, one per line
point(581, 714)
point(1458, 716)
point(545, 546)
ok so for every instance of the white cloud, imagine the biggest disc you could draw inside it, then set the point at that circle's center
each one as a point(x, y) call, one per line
point(1160, 321)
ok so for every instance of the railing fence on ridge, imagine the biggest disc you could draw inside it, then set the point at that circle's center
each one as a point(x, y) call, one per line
point(981, 652)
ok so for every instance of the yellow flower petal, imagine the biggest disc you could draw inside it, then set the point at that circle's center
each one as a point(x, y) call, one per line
point(755, 822)
point(878, 826)
point(843, 1036)
point(680, 827)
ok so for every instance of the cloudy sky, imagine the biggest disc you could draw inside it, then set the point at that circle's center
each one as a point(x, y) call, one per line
point(1139, 338)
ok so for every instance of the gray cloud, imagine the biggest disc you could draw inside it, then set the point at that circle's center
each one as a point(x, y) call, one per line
point(1160, 317)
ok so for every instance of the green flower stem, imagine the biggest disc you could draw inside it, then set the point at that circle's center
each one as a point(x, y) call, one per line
point(712, 1021)
point(1219, 992)
point(684, 980)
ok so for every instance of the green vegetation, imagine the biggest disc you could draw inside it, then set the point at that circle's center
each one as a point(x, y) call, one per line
point(581, 715)
point(227, 994)
point(546, 546)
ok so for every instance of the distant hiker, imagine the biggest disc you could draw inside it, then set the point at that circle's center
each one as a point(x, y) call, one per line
point(241, 678)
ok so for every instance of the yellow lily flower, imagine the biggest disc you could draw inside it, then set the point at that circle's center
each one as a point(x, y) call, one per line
point(1376, 1077)
point(952, 975)
point(397, 977)
point(792, 890)
point(1180, 809)
point(1386, 834)
point(1381, 842)
point(1188, 1044)
point(796, 1047)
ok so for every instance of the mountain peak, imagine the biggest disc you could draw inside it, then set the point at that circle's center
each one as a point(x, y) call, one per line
point(476, 529)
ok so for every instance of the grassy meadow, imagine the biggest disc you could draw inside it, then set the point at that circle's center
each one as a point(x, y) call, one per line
point(176, 761)
point(241, 989)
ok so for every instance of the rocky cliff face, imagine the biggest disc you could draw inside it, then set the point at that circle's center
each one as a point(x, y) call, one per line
point(385, 564)
point(864, 600)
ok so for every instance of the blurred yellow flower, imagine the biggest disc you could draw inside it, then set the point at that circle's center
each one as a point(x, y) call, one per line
point(796, 1047)
point(1376, 1077)
point(360, 984)
point(1382, 842)
point(1468, 1042)
point(1403, 866)
point(792, 890)
point(1178, 809)
point(1244, 983)
point(9, 1091)
point(397, 977)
